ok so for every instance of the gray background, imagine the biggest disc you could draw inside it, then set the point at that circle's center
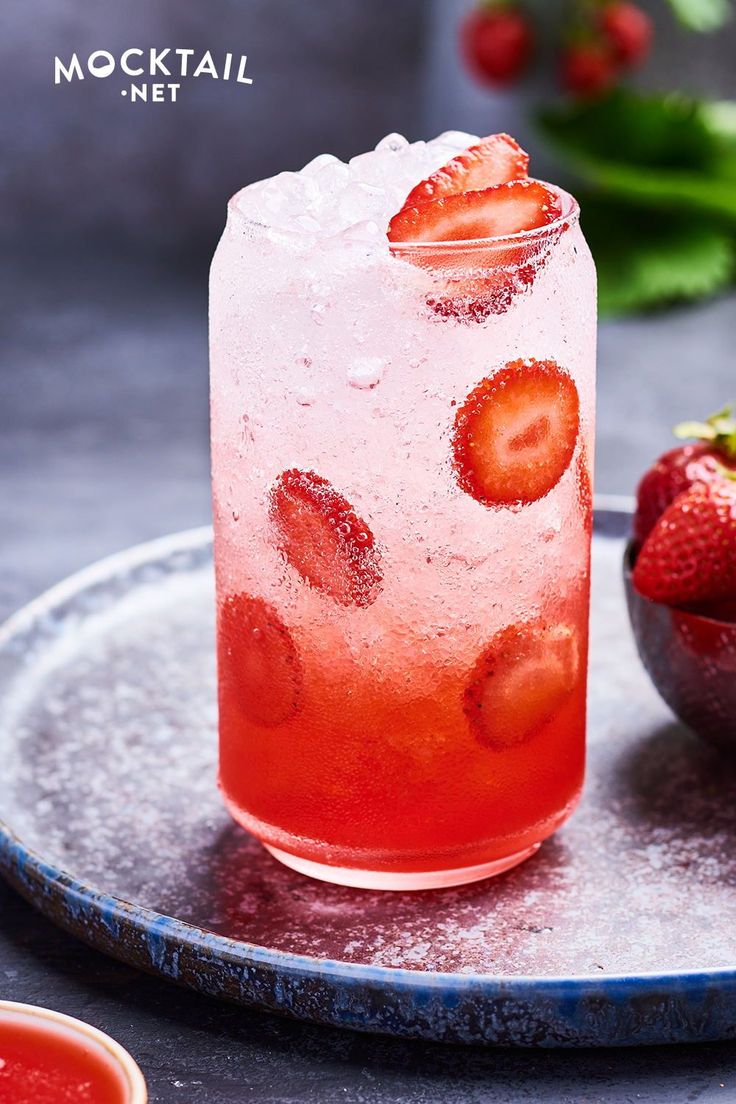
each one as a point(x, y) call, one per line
point(335, 75)
point(108, 213)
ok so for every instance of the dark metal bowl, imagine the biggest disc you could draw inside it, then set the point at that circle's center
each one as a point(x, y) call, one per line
point(691, 659)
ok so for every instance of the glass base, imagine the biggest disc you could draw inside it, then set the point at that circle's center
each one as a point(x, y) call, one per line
point(389, 879)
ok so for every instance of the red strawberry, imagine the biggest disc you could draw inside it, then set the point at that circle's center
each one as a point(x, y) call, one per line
point(495, 212)
point(629, 31)
point(494, 160)
point(520, 682)
point(497, 42)
point(690, 554)
point(677, 470)
point(515, 434)
point(322, 537)
point(588, 68)
point(257, 660)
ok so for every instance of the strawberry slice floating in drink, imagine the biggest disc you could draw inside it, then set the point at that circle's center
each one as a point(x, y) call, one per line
point(515, 434)
point(323, 538)
point(520, 682)
point(494, 160)
point(257, 661)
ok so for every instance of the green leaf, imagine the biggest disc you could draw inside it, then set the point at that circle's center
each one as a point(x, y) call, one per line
point(720, 429)
point(719, 117)
point(647, 259)
point(701, 15)
point(657, 151)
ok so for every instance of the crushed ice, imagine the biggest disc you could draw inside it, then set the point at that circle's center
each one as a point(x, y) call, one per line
point(355, 201)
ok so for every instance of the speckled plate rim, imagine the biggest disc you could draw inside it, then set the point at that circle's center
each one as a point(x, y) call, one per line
point(523, 1010)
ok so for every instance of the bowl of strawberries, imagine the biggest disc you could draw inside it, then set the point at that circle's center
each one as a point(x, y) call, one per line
point(680, 575)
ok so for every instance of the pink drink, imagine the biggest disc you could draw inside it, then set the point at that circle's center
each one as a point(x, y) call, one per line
point(402, 661)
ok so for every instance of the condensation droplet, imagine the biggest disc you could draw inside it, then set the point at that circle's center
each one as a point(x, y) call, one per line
point(246, 430)
point(304, 396)
point(366, 372)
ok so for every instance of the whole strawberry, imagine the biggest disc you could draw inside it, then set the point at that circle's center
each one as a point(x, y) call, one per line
point(587, 68)
point(497, 42)
point(690, 554)
point(677, 470)
point(628, 30)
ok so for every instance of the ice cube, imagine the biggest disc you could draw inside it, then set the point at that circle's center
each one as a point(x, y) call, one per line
point(366, 231)
point(365, 166)
point(454, 139)
point(393, 142)
point(358, 202)
point(331, 177)
point(308, 223)
point(321, 162)
point(329, 198)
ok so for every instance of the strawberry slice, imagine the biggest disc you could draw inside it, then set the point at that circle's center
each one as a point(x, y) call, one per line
point(515, 434)
point(474, 283)
point(495, 212)
point(494, 160)
point(257, 660)
point(690, 554)
point(323, 538)
point(520, 682)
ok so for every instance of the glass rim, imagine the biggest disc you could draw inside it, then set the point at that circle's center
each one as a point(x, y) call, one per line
point(569, 214)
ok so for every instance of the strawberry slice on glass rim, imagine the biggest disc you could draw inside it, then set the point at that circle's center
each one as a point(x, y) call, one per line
point(502, 255)
point(494, 160)
point(499, 211)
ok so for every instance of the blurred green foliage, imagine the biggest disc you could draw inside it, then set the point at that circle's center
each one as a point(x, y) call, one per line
point(658, 193)
point(701, 15)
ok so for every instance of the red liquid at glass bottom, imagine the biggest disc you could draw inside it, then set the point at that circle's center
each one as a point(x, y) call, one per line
point(47, 1065)
point(364, 785)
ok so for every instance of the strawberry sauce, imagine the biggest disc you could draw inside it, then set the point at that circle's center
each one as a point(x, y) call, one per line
point(42, 1064)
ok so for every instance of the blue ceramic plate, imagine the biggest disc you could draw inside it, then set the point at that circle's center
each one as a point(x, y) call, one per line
point(621, 930)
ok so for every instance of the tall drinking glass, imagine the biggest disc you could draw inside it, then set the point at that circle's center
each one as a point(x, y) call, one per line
point(402, 441)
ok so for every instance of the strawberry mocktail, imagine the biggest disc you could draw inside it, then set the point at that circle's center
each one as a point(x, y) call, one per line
point(402, 356)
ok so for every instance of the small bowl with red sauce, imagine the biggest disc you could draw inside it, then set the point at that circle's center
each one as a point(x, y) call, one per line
point(690, 655)
point(49, 1058)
